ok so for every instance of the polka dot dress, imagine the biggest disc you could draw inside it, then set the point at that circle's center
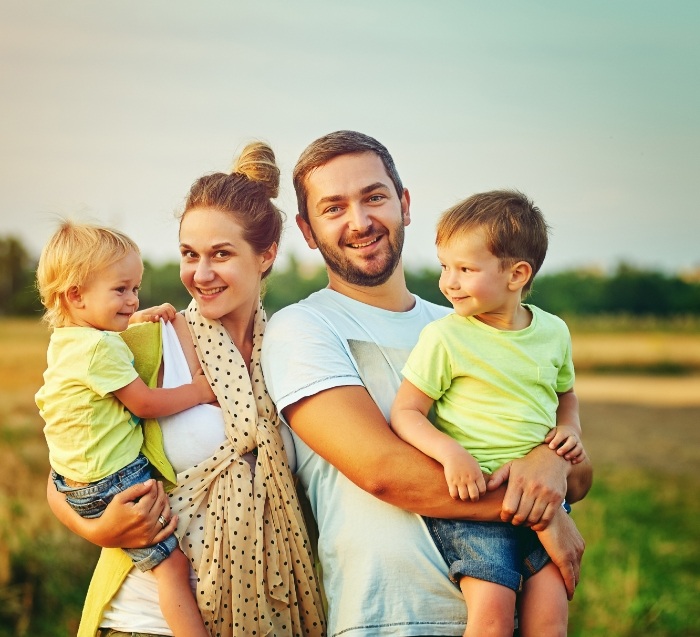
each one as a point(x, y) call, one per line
point(243, 531)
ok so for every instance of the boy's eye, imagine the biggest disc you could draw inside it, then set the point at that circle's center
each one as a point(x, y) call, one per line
point(121, 289)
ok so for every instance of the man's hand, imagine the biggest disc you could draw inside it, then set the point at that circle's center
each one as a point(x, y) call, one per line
point(565, 547)
point(536, 487)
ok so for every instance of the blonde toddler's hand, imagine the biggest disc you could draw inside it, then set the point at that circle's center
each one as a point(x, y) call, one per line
point(199, 380)
point(164, 311)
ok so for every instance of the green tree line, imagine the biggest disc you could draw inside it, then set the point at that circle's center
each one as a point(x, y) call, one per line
point(627, 290)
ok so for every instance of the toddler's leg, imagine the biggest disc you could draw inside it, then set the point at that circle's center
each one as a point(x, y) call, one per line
point(490, 608)
point(176, 599)
point(543, 609)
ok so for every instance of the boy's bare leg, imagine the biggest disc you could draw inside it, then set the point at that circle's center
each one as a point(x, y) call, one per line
point(490, 608)
point(543, 609)
point(177, 601)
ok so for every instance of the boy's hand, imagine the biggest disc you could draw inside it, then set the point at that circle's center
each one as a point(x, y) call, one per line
point(463, 474)
point(154, 314)
point(565, 440)
point(199, 380)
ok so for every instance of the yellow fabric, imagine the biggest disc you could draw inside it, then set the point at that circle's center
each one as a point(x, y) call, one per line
point(145, 342)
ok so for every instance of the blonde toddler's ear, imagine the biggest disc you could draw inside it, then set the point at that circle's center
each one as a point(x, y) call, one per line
point(74, 298)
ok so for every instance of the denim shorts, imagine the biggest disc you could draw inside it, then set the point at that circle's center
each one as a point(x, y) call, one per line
point(491, 551)
point(91, 501)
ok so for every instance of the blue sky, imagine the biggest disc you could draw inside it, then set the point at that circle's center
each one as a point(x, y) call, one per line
point(110, 110)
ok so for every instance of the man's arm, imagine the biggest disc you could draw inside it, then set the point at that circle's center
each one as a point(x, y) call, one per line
point(361, 445)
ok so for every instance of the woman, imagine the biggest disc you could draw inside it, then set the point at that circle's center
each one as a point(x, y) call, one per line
point(238, 517)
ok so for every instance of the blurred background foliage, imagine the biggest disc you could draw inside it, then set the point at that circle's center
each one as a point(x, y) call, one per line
point(627, 291)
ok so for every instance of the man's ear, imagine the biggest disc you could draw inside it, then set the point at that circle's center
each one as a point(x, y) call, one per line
point(520, 274)
point(306, 231)
point(406, 207)
point(74, 297)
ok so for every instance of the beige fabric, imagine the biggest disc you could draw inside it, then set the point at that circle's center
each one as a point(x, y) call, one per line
point(244, 533)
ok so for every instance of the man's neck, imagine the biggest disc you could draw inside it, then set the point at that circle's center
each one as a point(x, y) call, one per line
point(393, 295)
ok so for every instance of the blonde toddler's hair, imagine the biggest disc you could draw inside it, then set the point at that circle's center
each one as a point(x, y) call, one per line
point(73, 254)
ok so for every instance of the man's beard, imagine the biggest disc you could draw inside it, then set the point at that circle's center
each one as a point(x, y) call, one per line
point(350, 273)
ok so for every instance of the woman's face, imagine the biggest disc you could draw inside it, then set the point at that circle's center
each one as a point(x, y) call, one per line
point(219, 267)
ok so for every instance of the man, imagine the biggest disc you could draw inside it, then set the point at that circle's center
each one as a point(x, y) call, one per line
point(332, 364)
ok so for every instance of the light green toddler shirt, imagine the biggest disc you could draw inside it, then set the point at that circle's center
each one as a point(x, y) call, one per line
point(90, 433)
point(495, 391)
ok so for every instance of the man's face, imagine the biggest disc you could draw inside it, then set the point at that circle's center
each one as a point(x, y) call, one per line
point(356, 218)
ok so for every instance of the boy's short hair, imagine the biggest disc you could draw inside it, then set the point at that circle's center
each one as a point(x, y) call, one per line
point(514, 227)
point(342, 142)
point(70, 257)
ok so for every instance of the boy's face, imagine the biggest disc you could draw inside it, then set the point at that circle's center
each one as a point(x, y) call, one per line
point(472, 278)
point(356, 219)
point(109, 297)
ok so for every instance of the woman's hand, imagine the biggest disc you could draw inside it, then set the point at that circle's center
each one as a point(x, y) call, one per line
point(131, 520)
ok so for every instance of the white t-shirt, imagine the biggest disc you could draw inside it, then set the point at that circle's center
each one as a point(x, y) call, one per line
point(381, 571)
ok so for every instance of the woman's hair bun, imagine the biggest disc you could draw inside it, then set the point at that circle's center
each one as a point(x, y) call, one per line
point(257, 163)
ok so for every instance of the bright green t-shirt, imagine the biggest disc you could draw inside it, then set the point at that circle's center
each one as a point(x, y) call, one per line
point(90, 433)
point(495, 391)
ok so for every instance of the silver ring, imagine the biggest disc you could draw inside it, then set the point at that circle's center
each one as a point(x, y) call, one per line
point(163, 521)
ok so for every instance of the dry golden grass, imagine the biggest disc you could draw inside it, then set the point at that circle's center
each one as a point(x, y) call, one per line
point(636, 349)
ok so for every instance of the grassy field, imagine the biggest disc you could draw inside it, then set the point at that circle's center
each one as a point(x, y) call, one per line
point(641, 521)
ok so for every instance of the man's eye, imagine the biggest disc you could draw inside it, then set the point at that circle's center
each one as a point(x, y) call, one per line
point(376, 198)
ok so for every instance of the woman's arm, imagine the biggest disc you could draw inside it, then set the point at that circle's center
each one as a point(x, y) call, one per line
point(131, 519)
